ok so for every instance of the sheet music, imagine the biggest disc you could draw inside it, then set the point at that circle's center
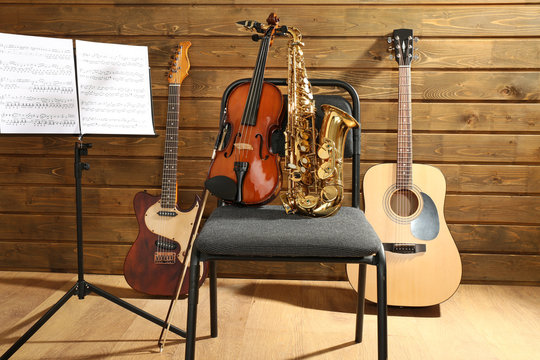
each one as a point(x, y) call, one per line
point(37, 85)
point(114, 89)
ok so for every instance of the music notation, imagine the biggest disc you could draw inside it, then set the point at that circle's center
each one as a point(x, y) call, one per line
point(38, 87)
point(114, 88)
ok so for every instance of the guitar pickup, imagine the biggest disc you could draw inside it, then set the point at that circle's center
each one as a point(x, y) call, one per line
point(164, 257)
point(404, 248)
point(167, 213)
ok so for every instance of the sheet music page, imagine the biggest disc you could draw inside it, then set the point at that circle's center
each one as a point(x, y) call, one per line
point(37, 85)
point(114, 89)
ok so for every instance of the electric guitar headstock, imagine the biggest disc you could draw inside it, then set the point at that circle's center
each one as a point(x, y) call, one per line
point(402, 45)
point(180, 64)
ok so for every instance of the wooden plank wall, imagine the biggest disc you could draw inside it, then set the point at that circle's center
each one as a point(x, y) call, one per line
point(476, 111)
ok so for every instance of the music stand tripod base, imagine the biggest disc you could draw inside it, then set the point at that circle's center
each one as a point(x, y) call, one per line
point(82, 287)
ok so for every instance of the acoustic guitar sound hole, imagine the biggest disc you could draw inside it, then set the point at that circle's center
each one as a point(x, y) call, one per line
point(404, 202)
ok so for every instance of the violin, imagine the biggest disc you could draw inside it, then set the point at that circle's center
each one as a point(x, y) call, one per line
point(244, 170)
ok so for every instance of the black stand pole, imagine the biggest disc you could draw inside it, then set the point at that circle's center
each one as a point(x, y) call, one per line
point(82, 287)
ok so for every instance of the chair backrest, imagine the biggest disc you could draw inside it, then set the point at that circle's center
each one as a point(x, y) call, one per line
point(352, 145)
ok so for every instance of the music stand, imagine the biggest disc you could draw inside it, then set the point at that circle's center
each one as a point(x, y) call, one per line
point(82, 288)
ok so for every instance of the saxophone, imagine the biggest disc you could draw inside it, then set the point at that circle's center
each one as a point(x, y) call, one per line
point(315, 168)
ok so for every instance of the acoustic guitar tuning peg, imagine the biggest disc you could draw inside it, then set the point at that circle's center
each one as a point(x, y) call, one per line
point(389, 39)
point(416, 39)
point(390, 57)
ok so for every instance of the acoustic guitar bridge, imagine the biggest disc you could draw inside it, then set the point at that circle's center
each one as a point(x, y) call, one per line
point(164, 257)
point(404, 248)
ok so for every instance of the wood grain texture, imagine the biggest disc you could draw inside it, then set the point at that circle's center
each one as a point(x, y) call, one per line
point(183, 20)
point(476, 111)
point(274, 319)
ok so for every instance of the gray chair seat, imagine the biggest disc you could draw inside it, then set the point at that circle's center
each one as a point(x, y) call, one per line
point(272, 237)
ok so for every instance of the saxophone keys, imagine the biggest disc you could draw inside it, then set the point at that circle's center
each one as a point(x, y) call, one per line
point(329, 193)
point(308, 202)
point(324, 151)
point(325, 171)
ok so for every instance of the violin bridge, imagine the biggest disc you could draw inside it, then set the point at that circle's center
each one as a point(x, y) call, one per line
point(243, 146)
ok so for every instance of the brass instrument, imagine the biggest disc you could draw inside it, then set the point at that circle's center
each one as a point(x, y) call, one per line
point(315, 168)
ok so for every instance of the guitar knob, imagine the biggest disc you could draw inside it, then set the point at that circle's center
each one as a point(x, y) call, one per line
point(391, 57)
point(389, 39)
point(415, 39)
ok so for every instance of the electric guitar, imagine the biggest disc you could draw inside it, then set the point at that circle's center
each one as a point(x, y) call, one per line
point(404, 203)
point(156, 259)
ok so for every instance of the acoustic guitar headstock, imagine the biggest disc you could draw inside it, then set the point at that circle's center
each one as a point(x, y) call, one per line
point(402, 45)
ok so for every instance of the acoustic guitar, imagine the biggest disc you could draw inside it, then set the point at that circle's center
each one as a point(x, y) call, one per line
point(156, 259)
point(404, 203)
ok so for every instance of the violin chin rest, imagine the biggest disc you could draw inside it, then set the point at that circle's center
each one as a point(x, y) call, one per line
point(222, 186)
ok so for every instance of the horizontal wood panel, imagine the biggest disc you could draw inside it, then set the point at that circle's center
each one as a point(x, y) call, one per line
point(248, 2)
point(380, 85)
point(123, 229)
point(478, 148)
point(98, 259)
point(439, 53)
point(484, 148)
point(467, 21)
point(502, 238)
point(192, 173)
point(61, 200)
point(436, 117)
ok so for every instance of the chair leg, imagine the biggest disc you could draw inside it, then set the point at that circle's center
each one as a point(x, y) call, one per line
point(382, 311)
point(213, 299)
point(360, 304)
point(193, 299)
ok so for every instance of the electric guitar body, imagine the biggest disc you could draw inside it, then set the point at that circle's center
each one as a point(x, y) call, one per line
point(154, 262)
point(404, 203)
point(157, 258)
point(431, 272)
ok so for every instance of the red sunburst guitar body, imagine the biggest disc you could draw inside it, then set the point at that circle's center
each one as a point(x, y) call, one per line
point(404, 203)
point(156, 259)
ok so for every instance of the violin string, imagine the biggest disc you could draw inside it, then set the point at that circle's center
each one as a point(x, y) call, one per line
point(259, 79)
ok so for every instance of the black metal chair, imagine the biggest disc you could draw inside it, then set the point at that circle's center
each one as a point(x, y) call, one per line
point(267, 233)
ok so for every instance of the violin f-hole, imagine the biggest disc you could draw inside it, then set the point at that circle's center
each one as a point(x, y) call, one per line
point(261, 142)
point(237, 136)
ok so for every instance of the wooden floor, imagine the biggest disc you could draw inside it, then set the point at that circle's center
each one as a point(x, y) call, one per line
point(267, 319)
